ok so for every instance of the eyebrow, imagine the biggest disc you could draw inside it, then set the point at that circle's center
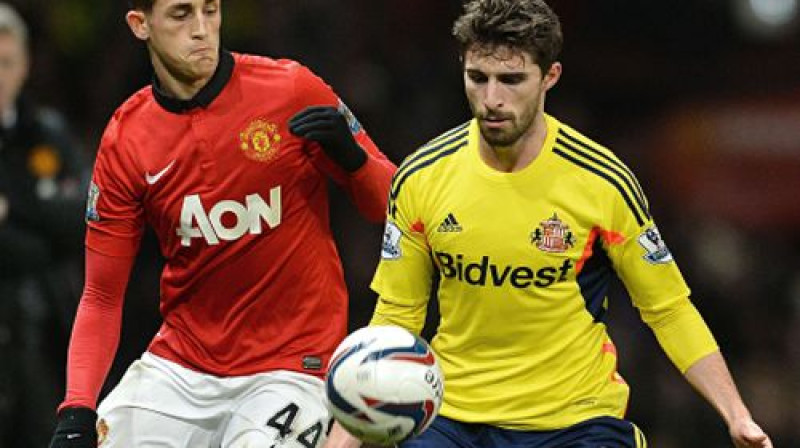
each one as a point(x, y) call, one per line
point(188, 4)
point(180, 6)
point(510, 73)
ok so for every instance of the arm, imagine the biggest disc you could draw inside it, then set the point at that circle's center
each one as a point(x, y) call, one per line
point(658, 290)
point(357, 164)
point(688, 342)
point(711, 378)
point(339, 146)
point(99, 318)
point(368, 187)
point(99, 313)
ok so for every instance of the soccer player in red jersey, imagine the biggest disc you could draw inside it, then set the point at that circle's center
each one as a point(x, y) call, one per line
point(227, 156)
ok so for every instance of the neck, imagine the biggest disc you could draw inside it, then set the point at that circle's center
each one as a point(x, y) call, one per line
point(519, 154)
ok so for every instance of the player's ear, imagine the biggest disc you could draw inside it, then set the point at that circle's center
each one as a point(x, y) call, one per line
point(552, 76)
point(137, 22)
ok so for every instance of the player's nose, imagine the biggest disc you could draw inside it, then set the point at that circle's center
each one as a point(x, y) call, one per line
point(494, 94)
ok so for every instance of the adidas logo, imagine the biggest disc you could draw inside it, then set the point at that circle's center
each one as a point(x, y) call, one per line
point(449, 224)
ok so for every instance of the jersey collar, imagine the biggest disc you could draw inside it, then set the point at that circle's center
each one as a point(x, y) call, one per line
point(206, 95)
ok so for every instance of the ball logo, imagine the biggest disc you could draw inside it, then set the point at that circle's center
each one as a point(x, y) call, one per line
point(432, 378)
point(248, 218)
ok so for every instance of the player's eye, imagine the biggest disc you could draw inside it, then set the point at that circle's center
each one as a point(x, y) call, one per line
point(179, 14)
point(512, 79)
point(476, 77)
point(211, 7)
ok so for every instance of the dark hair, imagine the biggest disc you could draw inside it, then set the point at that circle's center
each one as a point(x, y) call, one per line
point(144, 5)
point(522, 25)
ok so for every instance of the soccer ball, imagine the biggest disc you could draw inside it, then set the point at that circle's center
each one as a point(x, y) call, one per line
point(384, 384)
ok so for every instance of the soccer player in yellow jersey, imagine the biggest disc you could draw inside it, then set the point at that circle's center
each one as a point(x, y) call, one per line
point(524, 221)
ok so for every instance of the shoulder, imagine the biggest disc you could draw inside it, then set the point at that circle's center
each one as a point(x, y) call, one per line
point(601, 169)
point(263, 67)
point(132, 114)
point(589, 157)
point(438, 148)
point(573, 142)
point(432, 157)
point(293, 78)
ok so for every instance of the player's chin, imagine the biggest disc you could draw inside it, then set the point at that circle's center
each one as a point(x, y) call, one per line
point(203, 68)
point(498, 137)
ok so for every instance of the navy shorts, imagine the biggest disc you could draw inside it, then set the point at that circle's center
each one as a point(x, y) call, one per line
point(601, 432)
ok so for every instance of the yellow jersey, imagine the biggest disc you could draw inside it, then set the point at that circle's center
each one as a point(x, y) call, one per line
point(523, 261)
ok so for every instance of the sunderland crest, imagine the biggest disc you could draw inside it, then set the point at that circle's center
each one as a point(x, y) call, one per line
point(553, 235)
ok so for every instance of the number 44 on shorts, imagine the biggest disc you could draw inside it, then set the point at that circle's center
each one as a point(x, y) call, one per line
point(284, 421)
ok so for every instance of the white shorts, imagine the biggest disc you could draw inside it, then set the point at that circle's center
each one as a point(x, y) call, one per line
point(159, 403)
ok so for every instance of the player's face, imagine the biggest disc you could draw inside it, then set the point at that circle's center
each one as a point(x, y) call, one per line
point(183, 37)
point(506, 91)
point(13, 69)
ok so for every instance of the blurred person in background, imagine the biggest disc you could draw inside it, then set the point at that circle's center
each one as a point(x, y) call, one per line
point(42, 173)
point(524, 221)
point(227, 157)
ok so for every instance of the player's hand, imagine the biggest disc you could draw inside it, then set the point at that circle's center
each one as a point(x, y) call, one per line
point(75, 429)
point(328, 127)
point(746, 433)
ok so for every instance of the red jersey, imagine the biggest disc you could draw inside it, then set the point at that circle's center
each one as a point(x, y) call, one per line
point(252, 280)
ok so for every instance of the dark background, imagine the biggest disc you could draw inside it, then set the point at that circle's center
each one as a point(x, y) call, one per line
point(702, 102)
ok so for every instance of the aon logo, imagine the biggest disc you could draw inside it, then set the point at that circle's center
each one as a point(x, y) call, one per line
point(196, 223)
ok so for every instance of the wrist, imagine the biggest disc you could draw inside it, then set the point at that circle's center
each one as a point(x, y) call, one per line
point(78, 416)
point(354, 159)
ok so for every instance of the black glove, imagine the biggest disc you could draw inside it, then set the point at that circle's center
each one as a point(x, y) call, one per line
point(75, 429)
point(328, 127)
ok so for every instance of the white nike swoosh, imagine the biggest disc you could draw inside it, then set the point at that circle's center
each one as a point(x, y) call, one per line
point(152, 179)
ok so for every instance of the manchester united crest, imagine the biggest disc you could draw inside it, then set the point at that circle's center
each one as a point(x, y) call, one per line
point(553, 235)
point(260, 140)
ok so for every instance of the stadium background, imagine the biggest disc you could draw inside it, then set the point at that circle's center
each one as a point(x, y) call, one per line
point(701, 98)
